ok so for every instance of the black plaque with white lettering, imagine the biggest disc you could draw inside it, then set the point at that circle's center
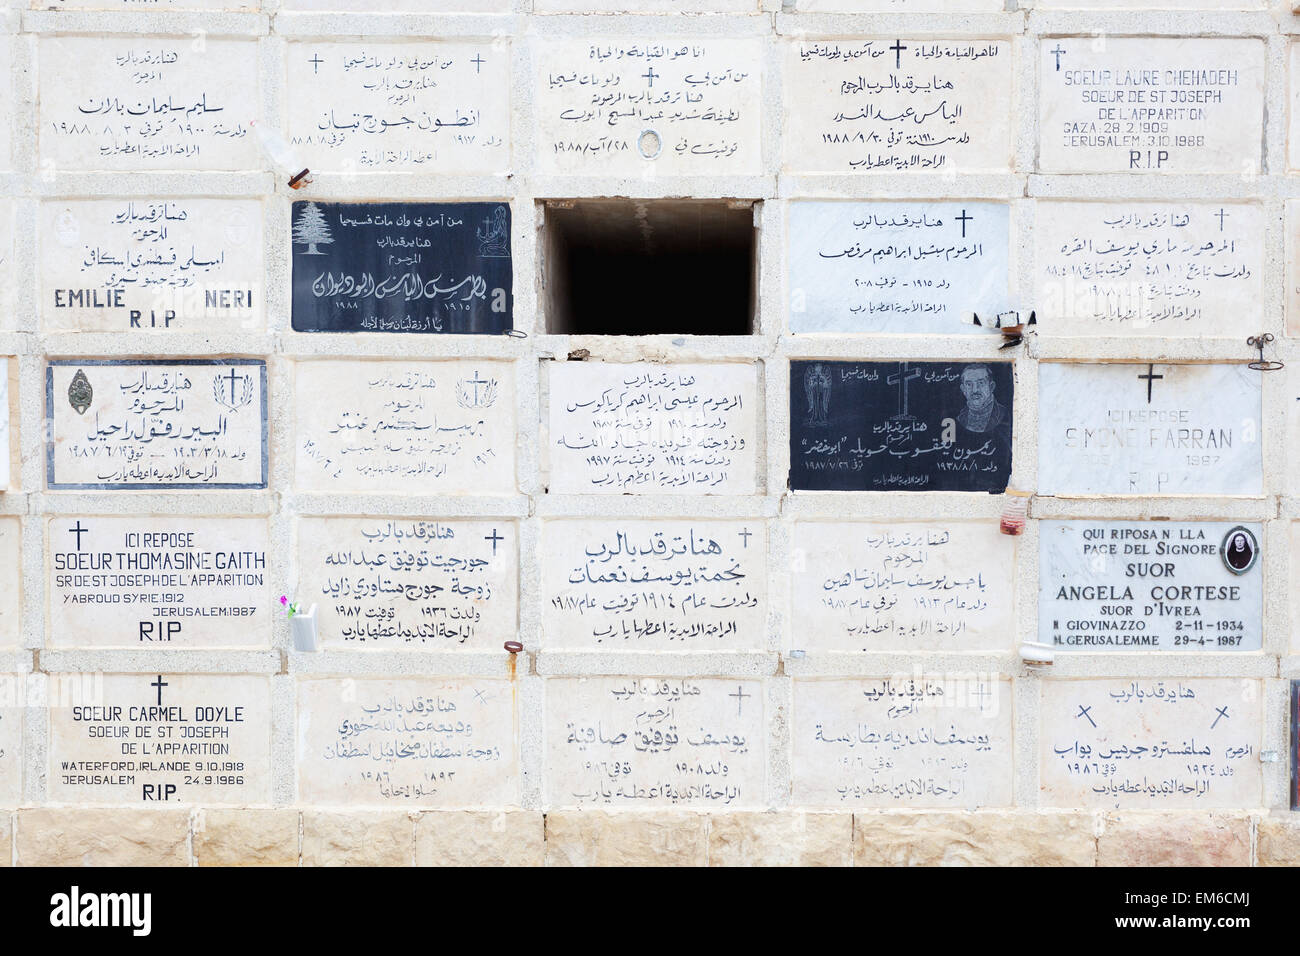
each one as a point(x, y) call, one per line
point(900, 426)
point(402, 267)
point(1295, 745)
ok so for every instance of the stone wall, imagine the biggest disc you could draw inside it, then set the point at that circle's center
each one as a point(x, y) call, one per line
point(1125, 171)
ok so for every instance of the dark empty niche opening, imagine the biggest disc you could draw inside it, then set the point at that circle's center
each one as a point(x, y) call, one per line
point(647, 267)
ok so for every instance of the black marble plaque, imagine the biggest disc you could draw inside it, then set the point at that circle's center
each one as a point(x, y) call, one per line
point(900, 426)
point(402, 267)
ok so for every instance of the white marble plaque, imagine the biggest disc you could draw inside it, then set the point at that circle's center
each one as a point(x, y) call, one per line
point(1292, 398)
point(156, 423)
point(646, 6)
point(8, 267)
point(434, 106)
point(620, 428)
point(233, 5)
point(1151, 744)
point(630, 742)
point(1148, 430)
point(12, 697)
point(1292, 243)
point(1135, 5)
point(400, 6)
point(1134, 268)
point(11, 581)
point(416, 427)
point(1293, 124)
point(410, 583)
point(8, 407)
point(415, 742)
point(157, 582)
point(898, 105)
point(900, 6)
point(1294, 542)
point(127, 265)
point(901, 267)
point(157, 740)
point(626, 107)
point(903, 742)
point(1150, 105)
point(654, 585)
point(890, 586)
point(140, 103)
point(6, 103)
point(1150, 585)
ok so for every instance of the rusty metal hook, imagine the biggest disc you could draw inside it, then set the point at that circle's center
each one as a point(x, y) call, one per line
point(1261, 364)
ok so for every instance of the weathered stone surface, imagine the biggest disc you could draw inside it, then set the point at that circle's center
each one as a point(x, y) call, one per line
point(480, 838)
point(1136, 839)
point(1278, 842)
point(787, 838)
point(246, 838)
point(6, 839)
point(356, 839)
point(65, 837)
point(597, 838)
point(1024, 838)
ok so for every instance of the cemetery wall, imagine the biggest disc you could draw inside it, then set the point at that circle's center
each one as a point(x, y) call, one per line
point(766, 612)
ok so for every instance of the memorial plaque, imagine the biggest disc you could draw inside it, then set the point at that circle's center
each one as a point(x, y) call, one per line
point(648, 742)
point(1292, 244)
point(7, 265)
point(156, 423)
point(414, 427)
point(402, 6)
point(1293, 531)
point(1161, 5)
point(1295, 745)
point(629, 107)
point(147, 4)
point(154, 582)
point(903, 267)
point(141, 103)
point(7, 407)
point(11, 581)
point(900, 6)
point(1168, 269)
point(646, 6)
point(1148, 430)
point(126, 265)
point(6, 103)
point(419, 742)
point(1150, 585)
point(654, 585)
point(11, 739)
point(1292, 399)
point(402, 267)
point(902, 586)
point(908, 743)
point(1150, 104)
point(644, 428)
point(899, 106)
point(900, 426)
point(1151, 744)
point(433, 106)
point(410, 584)
point(156, 740)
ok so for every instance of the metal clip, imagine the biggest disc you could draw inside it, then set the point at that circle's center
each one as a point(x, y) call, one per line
point(1262, 365)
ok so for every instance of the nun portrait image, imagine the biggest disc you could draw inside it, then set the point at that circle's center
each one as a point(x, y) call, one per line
point(1240, 550)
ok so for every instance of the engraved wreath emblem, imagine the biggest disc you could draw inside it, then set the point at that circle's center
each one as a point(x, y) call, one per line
point(476, 392)
point(232, 391)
